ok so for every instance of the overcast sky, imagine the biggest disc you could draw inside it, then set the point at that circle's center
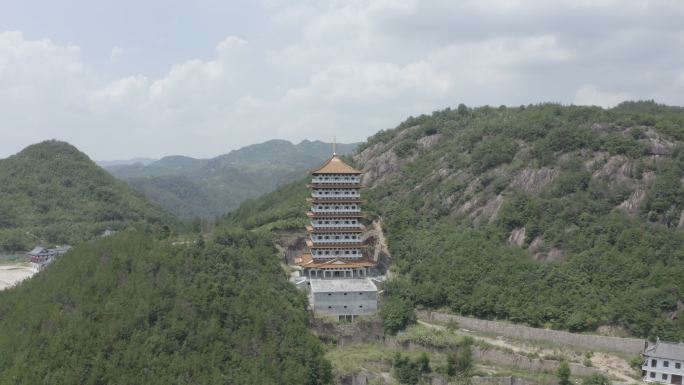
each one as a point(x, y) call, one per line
point(126, 78)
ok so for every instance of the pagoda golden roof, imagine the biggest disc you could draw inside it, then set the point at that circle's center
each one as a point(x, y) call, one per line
point(335, 165)
point(306, 261)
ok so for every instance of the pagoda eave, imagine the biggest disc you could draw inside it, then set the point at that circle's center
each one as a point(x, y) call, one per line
point(335, 200)
point(307, 262)
point(331, 185)
point(342, 246)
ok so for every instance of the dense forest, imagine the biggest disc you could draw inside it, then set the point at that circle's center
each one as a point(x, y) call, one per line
point(133, 309)
point(207, 188)
point(555, 216)
point(51, 193)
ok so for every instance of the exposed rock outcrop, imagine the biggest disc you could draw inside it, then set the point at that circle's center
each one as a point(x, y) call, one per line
point(533, 181)
point(517, 237)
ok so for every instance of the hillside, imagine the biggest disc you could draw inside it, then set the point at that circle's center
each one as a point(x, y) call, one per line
point(52, 193)
point(557, 216)
point(130, 309)
point(191, 187)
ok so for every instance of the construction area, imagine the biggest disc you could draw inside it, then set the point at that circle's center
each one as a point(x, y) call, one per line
point(14, 269)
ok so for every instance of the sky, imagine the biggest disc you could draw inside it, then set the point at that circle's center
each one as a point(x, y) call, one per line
point(122, 79)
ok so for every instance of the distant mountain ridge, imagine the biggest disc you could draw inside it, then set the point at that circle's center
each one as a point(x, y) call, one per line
point(190, 187)
point(124, 162)
point(52, 193)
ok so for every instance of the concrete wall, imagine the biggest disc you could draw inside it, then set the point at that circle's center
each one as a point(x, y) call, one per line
point(434, 379)
point(593, 342)
point(347, 303)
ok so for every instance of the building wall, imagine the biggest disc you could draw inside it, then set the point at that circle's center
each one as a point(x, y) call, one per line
point(656, 373)
point(356, 302)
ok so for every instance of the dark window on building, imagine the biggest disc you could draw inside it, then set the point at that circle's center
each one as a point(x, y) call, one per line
point(664, 376)
point(329, 307)
point(652, 374)
point(666, 364)
point(678, 365)
point(346, 307)
point(654, 363)
point(345, 293)
point(360, 306)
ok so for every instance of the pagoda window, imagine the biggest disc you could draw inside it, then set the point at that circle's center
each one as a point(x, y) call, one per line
point(346, 237)
point(327, 252)
point(346, 252)
point(326, 237)
point(346, 222)
point(353, 252)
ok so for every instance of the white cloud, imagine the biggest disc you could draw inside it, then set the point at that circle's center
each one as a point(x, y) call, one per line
point(116, 53)
point(589, 95)
point(316, 69)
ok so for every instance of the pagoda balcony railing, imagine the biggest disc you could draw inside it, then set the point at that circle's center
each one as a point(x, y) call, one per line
point(335, 199)
point(340, 211)
point(334, 185)
point(337, 226)
point(335, 241)
point(323, 179)
point(335, 196)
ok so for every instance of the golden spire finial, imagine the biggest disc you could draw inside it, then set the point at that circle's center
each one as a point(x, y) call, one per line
point(334, 145)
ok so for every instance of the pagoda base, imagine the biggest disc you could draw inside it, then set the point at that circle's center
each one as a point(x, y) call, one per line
point(351, 272)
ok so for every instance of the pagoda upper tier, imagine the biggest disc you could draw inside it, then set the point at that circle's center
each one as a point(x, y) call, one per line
point(335, 232)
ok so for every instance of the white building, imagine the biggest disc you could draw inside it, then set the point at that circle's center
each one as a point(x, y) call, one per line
point(40, 256)
point(664, 363)
point(343, 298)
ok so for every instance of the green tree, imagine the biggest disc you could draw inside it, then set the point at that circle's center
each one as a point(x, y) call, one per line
point(464, 363)
point(596, 379)
point(406, 371)
point(397, 314)
point(563, 374)
point(424, 363)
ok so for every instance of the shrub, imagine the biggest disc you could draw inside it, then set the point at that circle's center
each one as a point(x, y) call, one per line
point(397, 314)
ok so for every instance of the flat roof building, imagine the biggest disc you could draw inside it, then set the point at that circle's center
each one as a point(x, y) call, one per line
point(343, 298)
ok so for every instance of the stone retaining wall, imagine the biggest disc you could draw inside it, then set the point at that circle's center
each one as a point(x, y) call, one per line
point(593, 342)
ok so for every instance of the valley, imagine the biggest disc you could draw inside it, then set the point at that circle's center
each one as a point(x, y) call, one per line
point(551, 217)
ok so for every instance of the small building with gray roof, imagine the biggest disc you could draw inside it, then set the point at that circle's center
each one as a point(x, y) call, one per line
point(664, 362)
point(343, 298)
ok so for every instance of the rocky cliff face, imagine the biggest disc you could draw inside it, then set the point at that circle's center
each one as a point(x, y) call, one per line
point(624, 155)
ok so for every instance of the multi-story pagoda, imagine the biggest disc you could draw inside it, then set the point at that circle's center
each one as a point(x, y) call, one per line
point(335, 248)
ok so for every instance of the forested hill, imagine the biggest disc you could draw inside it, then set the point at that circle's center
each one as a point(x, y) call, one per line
point(52, 193)
point(191, 187)
point(557, 216)
point(132, 309)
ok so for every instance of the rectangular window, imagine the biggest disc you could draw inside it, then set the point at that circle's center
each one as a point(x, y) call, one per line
point(664, 376)
point(654, 363)
point(666, 364)
point(678, 365)
point(652, 374)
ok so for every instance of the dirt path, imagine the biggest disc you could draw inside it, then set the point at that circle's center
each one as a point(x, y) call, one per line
point(610, 364)
point(14, 273)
